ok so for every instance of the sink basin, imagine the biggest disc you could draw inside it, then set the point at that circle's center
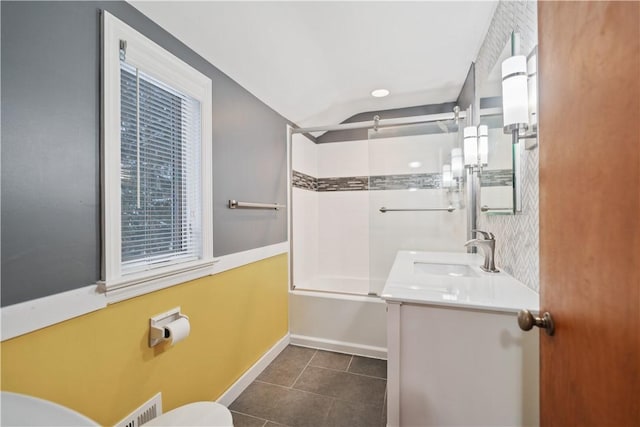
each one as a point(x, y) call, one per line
point(452, 270)
point(454, 279)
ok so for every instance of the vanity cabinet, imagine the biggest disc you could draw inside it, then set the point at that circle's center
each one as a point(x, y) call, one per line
point(456, 355)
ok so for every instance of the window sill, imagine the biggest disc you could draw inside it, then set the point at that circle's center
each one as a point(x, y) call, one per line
point(143, 283)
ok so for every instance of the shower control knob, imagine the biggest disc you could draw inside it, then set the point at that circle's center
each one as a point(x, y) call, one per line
point(527, 321)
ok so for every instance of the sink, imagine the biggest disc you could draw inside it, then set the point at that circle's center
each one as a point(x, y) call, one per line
point(438, 269)
point(454, 279)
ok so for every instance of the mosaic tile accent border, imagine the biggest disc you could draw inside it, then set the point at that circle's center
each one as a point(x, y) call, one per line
point(422, 181)
point(348, 183)
point(517, 236)
point(304, 181)
point(497, 178)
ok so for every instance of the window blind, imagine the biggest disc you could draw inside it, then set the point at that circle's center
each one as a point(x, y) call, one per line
point(160, 173)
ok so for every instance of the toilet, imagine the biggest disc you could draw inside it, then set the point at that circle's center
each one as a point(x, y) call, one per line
point(22, 410)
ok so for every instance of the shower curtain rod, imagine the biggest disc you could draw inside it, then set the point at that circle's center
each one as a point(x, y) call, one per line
point(382, 123)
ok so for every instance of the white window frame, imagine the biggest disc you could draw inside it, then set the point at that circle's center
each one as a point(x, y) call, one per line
point(164, 66)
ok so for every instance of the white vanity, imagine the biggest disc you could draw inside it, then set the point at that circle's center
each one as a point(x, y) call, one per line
point(456, 355)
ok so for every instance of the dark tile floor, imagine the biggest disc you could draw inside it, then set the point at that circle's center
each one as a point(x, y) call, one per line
point(307, 387)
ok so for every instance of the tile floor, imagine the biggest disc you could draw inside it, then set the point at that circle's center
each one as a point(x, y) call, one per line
point(307, 387)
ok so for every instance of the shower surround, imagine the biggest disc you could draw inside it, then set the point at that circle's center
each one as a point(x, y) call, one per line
point(343, 246)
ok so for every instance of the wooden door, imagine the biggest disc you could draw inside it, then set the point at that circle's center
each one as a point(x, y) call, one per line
point(589, 74)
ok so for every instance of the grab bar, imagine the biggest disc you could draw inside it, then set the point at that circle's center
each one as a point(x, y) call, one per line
point(486, 208)
point(450, 208)
point(234, 204)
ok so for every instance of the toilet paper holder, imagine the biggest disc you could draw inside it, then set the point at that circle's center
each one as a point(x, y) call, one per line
point(157, 325)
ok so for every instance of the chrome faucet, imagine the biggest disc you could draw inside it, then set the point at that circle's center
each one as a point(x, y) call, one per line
point(488, 245)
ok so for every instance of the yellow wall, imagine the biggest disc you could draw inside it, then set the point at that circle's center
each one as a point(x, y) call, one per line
point(100, 364)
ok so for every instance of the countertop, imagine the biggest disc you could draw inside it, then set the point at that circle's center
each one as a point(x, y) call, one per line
point(482, 291)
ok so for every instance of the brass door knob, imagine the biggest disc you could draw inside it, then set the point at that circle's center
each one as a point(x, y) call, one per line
point(526, 321)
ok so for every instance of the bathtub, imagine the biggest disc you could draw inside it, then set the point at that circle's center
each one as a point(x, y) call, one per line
point(336, 314)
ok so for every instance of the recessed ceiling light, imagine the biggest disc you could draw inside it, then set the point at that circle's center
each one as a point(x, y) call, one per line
point(379, 93)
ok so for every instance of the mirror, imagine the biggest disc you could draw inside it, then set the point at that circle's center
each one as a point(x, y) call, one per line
point(497, 191)
point(500, 183)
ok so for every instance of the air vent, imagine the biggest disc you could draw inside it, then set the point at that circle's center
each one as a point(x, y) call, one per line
point(145, 413)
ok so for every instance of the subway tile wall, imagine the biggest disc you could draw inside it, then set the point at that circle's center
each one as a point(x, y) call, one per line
point(338, 189)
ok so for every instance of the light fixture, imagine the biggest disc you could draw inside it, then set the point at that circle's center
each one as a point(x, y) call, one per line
point(456, 162)
point(515, 100)
point(476, 146)
point(519, 94)
point(379, 93)
point(414, 165)
point(483, 145)
point(447, 178)
point(532, 81)
point(470, 146)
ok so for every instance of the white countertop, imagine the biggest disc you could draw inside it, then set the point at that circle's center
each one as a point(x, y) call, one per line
point(484, 291)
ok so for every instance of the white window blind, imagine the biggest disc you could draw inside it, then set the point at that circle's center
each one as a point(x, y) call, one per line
point(159, 166)
point(156, 166)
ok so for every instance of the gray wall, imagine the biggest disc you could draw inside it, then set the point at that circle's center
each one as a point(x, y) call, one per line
point(467, 95)
point(50, 148)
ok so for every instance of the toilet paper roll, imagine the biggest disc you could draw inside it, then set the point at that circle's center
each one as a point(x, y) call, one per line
point(178, 330)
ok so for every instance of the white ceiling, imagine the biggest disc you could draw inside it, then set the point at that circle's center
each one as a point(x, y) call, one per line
point(317, 62)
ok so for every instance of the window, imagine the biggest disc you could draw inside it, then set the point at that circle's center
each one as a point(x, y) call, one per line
point(156, 148)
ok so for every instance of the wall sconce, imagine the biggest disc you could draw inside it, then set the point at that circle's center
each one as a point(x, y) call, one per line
point(470, 146)
point(519, 95)
point(456, 163)
point(476, 146)
point(483, 145)
point(515, 98)
point(532, 81)
point(447, 178)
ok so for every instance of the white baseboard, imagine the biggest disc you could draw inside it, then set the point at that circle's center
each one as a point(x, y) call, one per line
point(252, 373)
point(339, 346)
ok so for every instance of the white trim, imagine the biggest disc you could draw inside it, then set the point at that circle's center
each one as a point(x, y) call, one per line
point(289, 206)
point(25, 317)
point(29, 316)
point(252, 373)
point(110, 158)
point(156, 283)
point(223, 263)
point(339, 346)
point(239, 259)
point(146, 276)
point(154, 60)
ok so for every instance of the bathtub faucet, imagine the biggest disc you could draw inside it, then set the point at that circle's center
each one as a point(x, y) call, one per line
point(488, 245)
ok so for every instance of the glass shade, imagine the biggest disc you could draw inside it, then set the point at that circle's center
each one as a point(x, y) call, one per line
point(515, 101)
point(483, 144)
point(470, 145)
point(456, 162)
point(447, 178)
point(532, 89)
